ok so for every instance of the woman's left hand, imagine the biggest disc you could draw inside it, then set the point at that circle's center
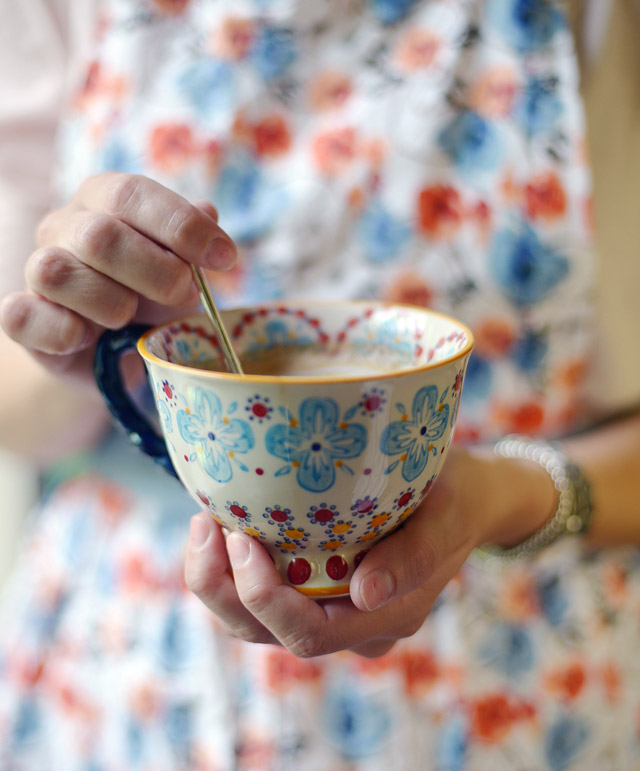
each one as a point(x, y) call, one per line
point(477, 499)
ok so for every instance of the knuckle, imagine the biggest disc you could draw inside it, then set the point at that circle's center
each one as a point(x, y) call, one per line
point(176, 285)
point(124, 308)
point(422, 563)
point(46, 228)
point(249, 633)
point(99, 235)
point(195, 580)
point(15, 315)
point(49, 269)
point(122, 193)
point(182, 228)
point(305, 647)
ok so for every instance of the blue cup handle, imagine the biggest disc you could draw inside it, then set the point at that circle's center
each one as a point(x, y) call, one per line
point(112, 345)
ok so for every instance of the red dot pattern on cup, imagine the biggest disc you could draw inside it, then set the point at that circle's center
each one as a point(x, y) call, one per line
point(299, 571)
point(336, 567)
point(237, 511)
point(324, 515)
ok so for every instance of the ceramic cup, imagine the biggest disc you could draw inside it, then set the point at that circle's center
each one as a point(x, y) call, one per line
point(319, 460)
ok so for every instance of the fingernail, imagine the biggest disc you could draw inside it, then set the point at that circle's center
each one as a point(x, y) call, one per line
point(377, 588)
point(239, 548)
point(221, 254)
point(200, 531)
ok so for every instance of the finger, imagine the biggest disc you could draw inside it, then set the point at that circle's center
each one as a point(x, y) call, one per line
point(208, 575)
point(41, 325)
point(298, 622)
point(116, 250)
point(208, 208)
point(162, 215)
point(411, 557)
point(58, 276)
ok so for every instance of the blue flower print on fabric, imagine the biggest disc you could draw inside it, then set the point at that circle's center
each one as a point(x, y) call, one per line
point(208, 87)
point(451, 744)
point(315, 442)
point(477, 380)
point(414, 438)
point(357, 723)
point(526, 25)
point(215, 434)
point(525, 269)
point(248, 203)
point(116, 155)
point(381, 234)
point(273, 52)
point(530, 351)
point(391, 11)
point(508, 649)
point(553, 599)
point(538, 107)
point(565, 739)
point(472, 143)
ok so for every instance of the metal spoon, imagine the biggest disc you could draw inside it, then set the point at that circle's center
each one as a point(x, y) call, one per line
point(206, 298)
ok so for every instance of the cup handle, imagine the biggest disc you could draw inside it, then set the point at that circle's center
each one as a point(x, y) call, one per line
point(112, 345)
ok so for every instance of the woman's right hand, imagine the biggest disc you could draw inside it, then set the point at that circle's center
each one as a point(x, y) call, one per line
point(119, 251)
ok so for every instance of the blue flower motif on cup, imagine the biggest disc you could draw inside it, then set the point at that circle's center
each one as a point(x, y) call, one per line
point(277, 516)
point(218, 438)
point(412, 437)
point(238, 511)
point(316, 444)
point(258, 408)
point(320, 515)
point(165, 417)
point(364, 507)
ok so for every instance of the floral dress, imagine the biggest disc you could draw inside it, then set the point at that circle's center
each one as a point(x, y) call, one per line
point(423, 151)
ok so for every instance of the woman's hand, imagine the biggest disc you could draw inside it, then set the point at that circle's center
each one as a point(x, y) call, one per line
point(119, 251)
point(478, 498)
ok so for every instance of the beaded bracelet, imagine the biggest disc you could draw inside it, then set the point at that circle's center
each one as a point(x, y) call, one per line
point(573, 513)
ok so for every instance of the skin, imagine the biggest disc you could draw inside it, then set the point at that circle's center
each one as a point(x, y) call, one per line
point(119, 252)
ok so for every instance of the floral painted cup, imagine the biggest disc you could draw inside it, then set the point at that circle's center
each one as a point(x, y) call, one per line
point(320, 460)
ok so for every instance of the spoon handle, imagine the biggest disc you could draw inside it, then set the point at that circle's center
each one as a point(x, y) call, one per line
point(206, 298)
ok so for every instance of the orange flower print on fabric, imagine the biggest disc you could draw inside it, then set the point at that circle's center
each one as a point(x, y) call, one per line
point(271, 136)
point(334, 150)
point(545, 197)
point(171, 145)
point(492, 718)
point(234, 38)
point(567, 681)
point(420, 671)
point(494, 337)
point(283, 670)
point(519, 599)
point(409, 288)
point(329, 91)
point(416, 50)
point(492, 94)
point(526, 418)
point(171, 6)
point(439, 211)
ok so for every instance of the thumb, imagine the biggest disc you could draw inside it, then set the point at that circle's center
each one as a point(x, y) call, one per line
point(408, 558)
